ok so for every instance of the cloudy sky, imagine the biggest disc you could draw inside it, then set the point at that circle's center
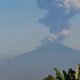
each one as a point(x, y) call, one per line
point(25, 23)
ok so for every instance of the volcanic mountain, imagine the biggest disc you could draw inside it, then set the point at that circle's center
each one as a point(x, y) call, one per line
point(38, 63)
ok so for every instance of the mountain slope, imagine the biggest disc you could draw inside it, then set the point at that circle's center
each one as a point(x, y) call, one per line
point(36, 64)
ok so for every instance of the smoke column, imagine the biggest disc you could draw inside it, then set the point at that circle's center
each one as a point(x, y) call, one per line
point(59, 12)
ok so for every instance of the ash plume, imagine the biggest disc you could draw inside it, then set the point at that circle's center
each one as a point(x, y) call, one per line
point(59, 12)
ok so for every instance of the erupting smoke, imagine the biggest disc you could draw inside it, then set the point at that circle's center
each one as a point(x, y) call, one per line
point(75, 4)
point(64, 33)
point(52, 37)
point(59, 12)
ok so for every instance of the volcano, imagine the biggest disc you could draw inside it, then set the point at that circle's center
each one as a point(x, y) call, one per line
point(38, 63)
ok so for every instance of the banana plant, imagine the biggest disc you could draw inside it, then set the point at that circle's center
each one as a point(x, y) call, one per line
point(70, 75)
point(66, 76)
point(59, 76)
point(77, 75)
point(50, 77)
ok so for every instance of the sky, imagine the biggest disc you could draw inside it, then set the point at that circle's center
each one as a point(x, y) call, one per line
point(25, 23)
point(74, 40)
point(20, 30)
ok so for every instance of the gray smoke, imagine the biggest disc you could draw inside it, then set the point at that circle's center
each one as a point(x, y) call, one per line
point(59, 12)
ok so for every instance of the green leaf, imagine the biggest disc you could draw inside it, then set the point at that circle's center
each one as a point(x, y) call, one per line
point(50, 77)
point(66, 76)
point(58, 74)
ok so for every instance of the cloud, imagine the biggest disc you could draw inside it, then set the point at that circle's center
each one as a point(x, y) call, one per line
point(65, 33)
point(69, 5)
point(52, 37)
point(75, 4)
point(59, 12)
point(56, 36)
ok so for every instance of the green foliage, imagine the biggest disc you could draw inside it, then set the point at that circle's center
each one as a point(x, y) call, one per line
point(58, 74)
point(50, 77)
point(70, 75)
point(78, 72)
point(66, 76)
